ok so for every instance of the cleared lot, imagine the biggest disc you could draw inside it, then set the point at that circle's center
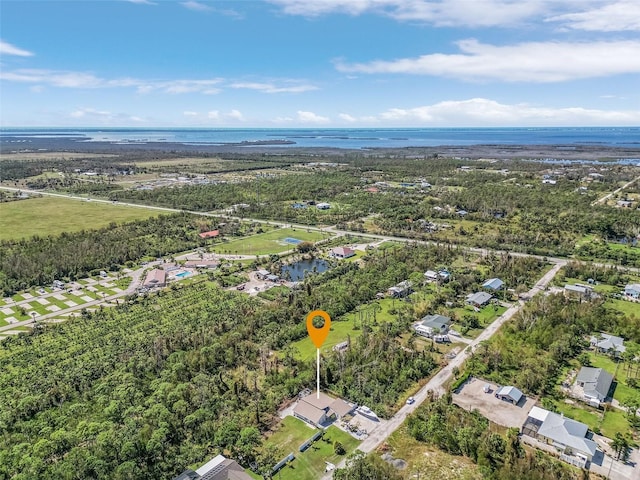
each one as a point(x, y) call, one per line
point(503, 413)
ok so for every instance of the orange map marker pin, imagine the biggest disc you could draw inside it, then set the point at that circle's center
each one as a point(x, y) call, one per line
point(318, 336)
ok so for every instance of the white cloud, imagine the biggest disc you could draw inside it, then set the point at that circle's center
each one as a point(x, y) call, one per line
point(473, 13)
point(613, 17)
point(213, 115)
point(197, 6)
point(310, 117)
point(524, 62)
point(70, 79)
point(90, 112)
point(486, 112)
point(190, 114)
point(271, 88)
point(347, 118)
point(235, 115)
point(8, 49)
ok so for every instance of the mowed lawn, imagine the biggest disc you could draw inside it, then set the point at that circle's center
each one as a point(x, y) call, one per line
point(310, 464)
point(54, 215)
point(267, 243)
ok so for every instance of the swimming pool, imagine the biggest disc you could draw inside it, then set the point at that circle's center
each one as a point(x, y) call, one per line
point(293, 241)
point(183, 274)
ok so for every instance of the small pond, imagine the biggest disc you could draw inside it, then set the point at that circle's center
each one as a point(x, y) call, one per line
point(298, 270)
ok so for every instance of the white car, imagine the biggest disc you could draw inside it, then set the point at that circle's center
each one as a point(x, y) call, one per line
point(411, 401)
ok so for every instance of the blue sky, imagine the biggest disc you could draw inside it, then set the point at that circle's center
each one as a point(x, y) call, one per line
point(309, 63)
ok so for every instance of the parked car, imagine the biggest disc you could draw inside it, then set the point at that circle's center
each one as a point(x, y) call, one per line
point(241, 286)
point(411, 401)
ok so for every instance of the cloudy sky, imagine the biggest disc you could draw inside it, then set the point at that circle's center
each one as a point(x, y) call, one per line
point(309, 63)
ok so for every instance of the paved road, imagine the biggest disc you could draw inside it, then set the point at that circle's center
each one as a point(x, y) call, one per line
point(332, 230)
point(608, 196)
point(436, 384)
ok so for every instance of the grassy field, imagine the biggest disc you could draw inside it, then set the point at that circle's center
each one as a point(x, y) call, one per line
point(429, 462)
point(610, 422)
point(54, 215)
point(343, 328)
point(267, 243)
point(624, 306)
point(310, 464)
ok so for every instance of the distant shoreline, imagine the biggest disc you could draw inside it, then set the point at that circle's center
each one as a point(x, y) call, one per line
point(558, 152)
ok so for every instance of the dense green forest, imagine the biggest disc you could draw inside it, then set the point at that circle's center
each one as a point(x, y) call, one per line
point(144, 389)
point(39, 260)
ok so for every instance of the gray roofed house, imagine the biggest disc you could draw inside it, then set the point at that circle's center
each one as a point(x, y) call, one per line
point(568, 436)
point(596, 383)
point(493, 284)
point(608, 343)
point(314, 409)
point(218, 468)
point(433, 324)
point(479, 299)
point(581, 291)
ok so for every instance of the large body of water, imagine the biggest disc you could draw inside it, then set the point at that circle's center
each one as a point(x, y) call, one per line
point(343, 137)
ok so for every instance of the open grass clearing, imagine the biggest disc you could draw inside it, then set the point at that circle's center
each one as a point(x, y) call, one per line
point(428, 461)
point(624, 306)
point(267, 243)
point(53, 215)
point(310, 464)
point(349, 326)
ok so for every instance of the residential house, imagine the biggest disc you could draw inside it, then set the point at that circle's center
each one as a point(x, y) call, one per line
point(608, 343)
point(319, 409)
point(210, 234)
point(218, 468)
point(509, 394)
point(433, 325)
point(155, 278)
point(401, 290)
point(493, 284)
point(595, 383)
point(479, 299)
point(262, 274)
point(632, 290)
point(342, 252)
point(433, 276)
point(566, 435)
point(578, 291)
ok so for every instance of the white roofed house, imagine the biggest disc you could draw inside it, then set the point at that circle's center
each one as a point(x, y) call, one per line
point(632, 290)
point(342, 252)
point(569, 437)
